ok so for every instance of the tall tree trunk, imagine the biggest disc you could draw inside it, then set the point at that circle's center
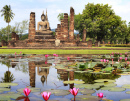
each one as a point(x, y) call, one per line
point(8, 32)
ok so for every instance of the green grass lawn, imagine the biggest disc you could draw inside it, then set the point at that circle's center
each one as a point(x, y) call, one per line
point(52, 51)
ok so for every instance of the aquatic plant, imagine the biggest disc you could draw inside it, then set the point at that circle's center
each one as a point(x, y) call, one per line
point(100, 95)
point(74, 92)
point(46, 55)
point(46, 95)
point(26, 91)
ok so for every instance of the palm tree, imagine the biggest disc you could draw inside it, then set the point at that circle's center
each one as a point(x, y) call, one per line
point(8, 15)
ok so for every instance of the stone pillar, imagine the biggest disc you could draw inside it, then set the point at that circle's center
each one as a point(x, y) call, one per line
point(58, 32)
point(65, 26)
point(71, 24)
point(32, 73)
point(89, 43)
point(32, 30)
point(96, 44)
point(84, 35)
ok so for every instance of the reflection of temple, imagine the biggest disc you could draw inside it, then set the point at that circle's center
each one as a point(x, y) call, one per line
point(43, 72)
point(64, 76)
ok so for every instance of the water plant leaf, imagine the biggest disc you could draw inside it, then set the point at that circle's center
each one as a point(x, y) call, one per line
point(85, 98)
point(4, 89)
point(8, 84)
point(105, 84)
point(8, 96)
point(32, 89)
point(73, 81)
point(117, 89)
point(58, 92)
point(104, 80)
point(128, 92)
point(88, 86)
point(59, 99)
point(126, 86)
point(86, 91)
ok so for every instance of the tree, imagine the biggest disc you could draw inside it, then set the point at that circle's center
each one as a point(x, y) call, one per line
point(8, 15)
point(99, 20)
point(21, 27)
point(3, 32)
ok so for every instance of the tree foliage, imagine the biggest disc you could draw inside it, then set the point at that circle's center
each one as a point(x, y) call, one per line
point(8, 15)
point(101, 23)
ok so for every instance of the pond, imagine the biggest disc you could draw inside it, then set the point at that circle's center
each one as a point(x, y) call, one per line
point(92, 74)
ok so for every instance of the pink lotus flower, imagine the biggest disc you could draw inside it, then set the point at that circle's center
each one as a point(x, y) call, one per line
point(120, 53)
point(46, 55)
point(125, 53)
point(46, 95)
point(100, 95)
point(74, 91)
point(112, 53)
point(125, 58)
point(101, 60)
point(68, 58)
point(120, 58)
point(54, 54)
point(20, 52)
point(26, 91)
point(15, 53)
point(107, 60)
point(104, 60)
point(128, 62)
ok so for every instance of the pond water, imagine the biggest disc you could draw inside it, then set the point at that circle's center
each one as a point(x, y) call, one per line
point(49, 74)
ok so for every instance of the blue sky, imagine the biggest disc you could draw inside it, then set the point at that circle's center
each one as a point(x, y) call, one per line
point(22, 9)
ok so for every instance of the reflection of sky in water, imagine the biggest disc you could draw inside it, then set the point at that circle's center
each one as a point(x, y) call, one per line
point(23, 79)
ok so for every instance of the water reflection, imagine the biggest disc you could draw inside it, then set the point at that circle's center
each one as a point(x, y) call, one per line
point(36, 71)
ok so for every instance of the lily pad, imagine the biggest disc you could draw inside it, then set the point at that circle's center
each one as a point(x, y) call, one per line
point(85, 98)
point(32, 89)
point(59, 99)
point(105, 84)
point(86, 91)
point(8, 96)
point(104, 80)
point(58, 92)
point(117, 89)
point(8, 84)
point(128, 92)
point(73, 81)
point(4, 89)
point(88, 86)
point(81, 71)
point(126, 86)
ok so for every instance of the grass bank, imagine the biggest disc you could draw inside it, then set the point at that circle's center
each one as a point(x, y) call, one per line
point(52, 51)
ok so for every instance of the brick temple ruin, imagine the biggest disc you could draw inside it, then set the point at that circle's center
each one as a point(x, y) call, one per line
point(43, 37)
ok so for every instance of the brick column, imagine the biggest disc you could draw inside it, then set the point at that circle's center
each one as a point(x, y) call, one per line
point(65, 26)
point(58, 32)
point(89, 43)
point(71, 24)
point(32, 30)
point(84, 35)
point(32, 73)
